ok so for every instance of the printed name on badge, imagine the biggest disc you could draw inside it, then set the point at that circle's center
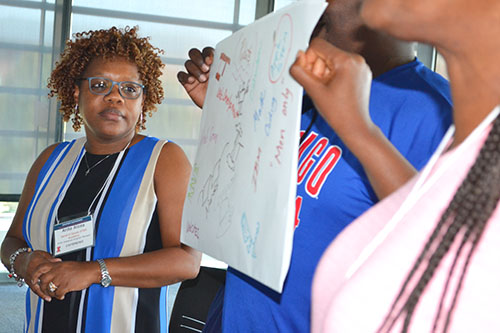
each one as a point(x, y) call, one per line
point(73, 235)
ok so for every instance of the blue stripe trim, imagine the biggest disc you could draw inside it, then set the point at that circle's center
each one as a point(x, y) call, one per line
point(38, 306)
point(53, 156)
point(43, 171)
point(112, 225)
point(163, 309)
point(51, 213)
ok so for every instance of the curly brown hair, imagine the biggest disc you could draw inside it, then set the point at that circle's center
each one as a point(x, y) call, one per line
point(106, 44)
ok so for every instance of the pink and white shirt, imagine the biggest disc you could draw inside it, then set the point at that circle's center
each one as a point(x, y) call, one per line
point(353, 288)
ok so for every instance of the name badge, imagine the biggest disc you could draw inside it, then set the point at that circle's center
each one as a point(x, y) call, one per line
point(73, 235)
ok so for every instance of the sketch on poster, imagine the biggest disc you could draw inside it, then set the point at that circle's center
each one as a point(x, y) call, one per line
point(240, 204)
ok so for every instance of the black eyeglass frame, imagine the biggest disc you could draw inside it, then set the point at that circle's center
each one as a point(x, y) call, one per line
point(113, 83)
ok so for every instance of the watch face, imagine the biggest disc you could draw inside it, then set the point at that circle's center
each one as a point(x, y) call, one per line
point(106, 281)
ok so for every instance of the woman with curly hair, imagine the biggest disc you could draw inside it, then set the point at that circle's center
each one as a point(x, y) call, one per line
point(96, 233)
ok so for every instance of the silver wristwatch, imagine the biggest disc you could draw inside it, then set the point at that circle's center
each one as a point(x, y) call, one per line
point(105, 277)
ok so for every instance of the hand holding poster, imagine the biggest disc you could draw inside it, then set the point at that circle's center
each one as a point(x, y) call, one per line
point(240, 205)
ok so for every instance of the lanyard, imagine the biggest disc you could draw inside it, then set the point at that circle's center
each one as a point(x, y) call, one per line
point(104, 186)
point(422, 185)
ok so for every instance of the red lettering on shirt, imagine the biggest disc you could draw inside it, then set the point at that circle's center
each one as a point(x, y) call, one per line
point(309, 161)
point(315, 168)
point(322, 170)
point(298, 206)
point(307, 142)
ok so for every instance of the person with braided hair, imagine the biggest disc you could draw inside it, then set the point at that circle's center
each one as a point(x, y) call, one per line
point(424, 258)
point(96, 236)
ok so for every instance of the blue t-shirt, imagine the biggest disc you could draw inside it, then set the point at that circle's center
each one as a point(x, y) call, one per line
point(412, 106)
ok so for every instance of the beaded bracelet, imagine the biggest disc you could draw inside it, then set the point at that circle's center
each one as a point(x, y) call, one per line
point(12, 259)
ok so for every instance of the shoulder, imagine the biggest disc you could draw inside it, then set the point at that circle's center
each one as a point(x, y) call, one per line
point(172, 153)
point(40, 164)
point(172, 161)
point(433, 83)
point(430, 86)
point(415, 82)
point(411, 95)
point(172, 172)
point(48, 152)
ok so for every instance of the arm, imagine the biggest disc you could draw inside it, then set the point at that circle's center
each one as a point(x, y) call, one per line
point(174, 262)
point(339, 85)
point(195, 80)
point(27, 263)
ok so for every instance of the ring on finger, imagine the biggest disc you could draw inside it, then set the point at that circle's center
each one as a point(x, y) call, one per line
point(52, 287)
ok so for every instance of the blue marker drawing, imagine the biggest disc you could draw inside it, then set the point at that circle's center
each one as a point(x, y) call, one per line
point(279, 56)
point(274, 106)
point(282, 42)
point(257, 114)
point(248, 240)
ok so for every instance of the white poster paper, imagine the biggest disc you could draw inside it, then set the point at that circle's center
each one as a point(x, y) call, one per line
point(240, 205)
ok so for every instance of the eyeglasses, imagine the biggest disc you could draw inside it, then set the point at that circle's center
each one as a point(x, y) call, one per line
point(103, 86)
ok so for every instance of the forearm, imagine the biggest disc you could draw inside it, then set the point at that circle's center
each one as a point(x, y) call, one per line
point(385, 167)
point(9, 246)
point(154, 269)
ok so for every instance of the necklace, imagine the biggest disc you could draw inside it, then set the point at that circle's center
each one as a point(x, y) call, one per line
point(89, 168)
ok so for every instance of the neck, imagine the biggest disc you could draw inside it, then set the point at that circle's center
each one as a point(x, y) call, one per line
point(104, 147)
point(383, 52)
point(475, 91)
point(396, 56)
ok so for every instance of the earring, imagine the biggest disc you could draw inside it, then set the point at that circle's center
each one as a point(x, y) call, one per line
point(140, 125)
point(77, 119)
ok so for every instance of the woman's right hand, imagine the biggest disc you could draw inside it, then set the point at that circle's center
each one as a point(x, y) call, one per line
point(339, 84)
point(195, 79)
point(31, 265)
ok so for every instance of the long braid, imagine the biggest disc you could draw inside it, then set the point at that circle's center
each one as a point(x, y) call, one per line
point(460, 282)
point(466, 217)
point(454, 205)
point(448, 279)
point(491, 202)
point(394, 314)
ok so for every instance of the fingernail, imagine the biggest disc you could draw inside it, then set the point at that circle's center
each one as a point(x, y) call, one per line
point(190, 79)
point(205, 68)
point(48, 299)
point(203, 78)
